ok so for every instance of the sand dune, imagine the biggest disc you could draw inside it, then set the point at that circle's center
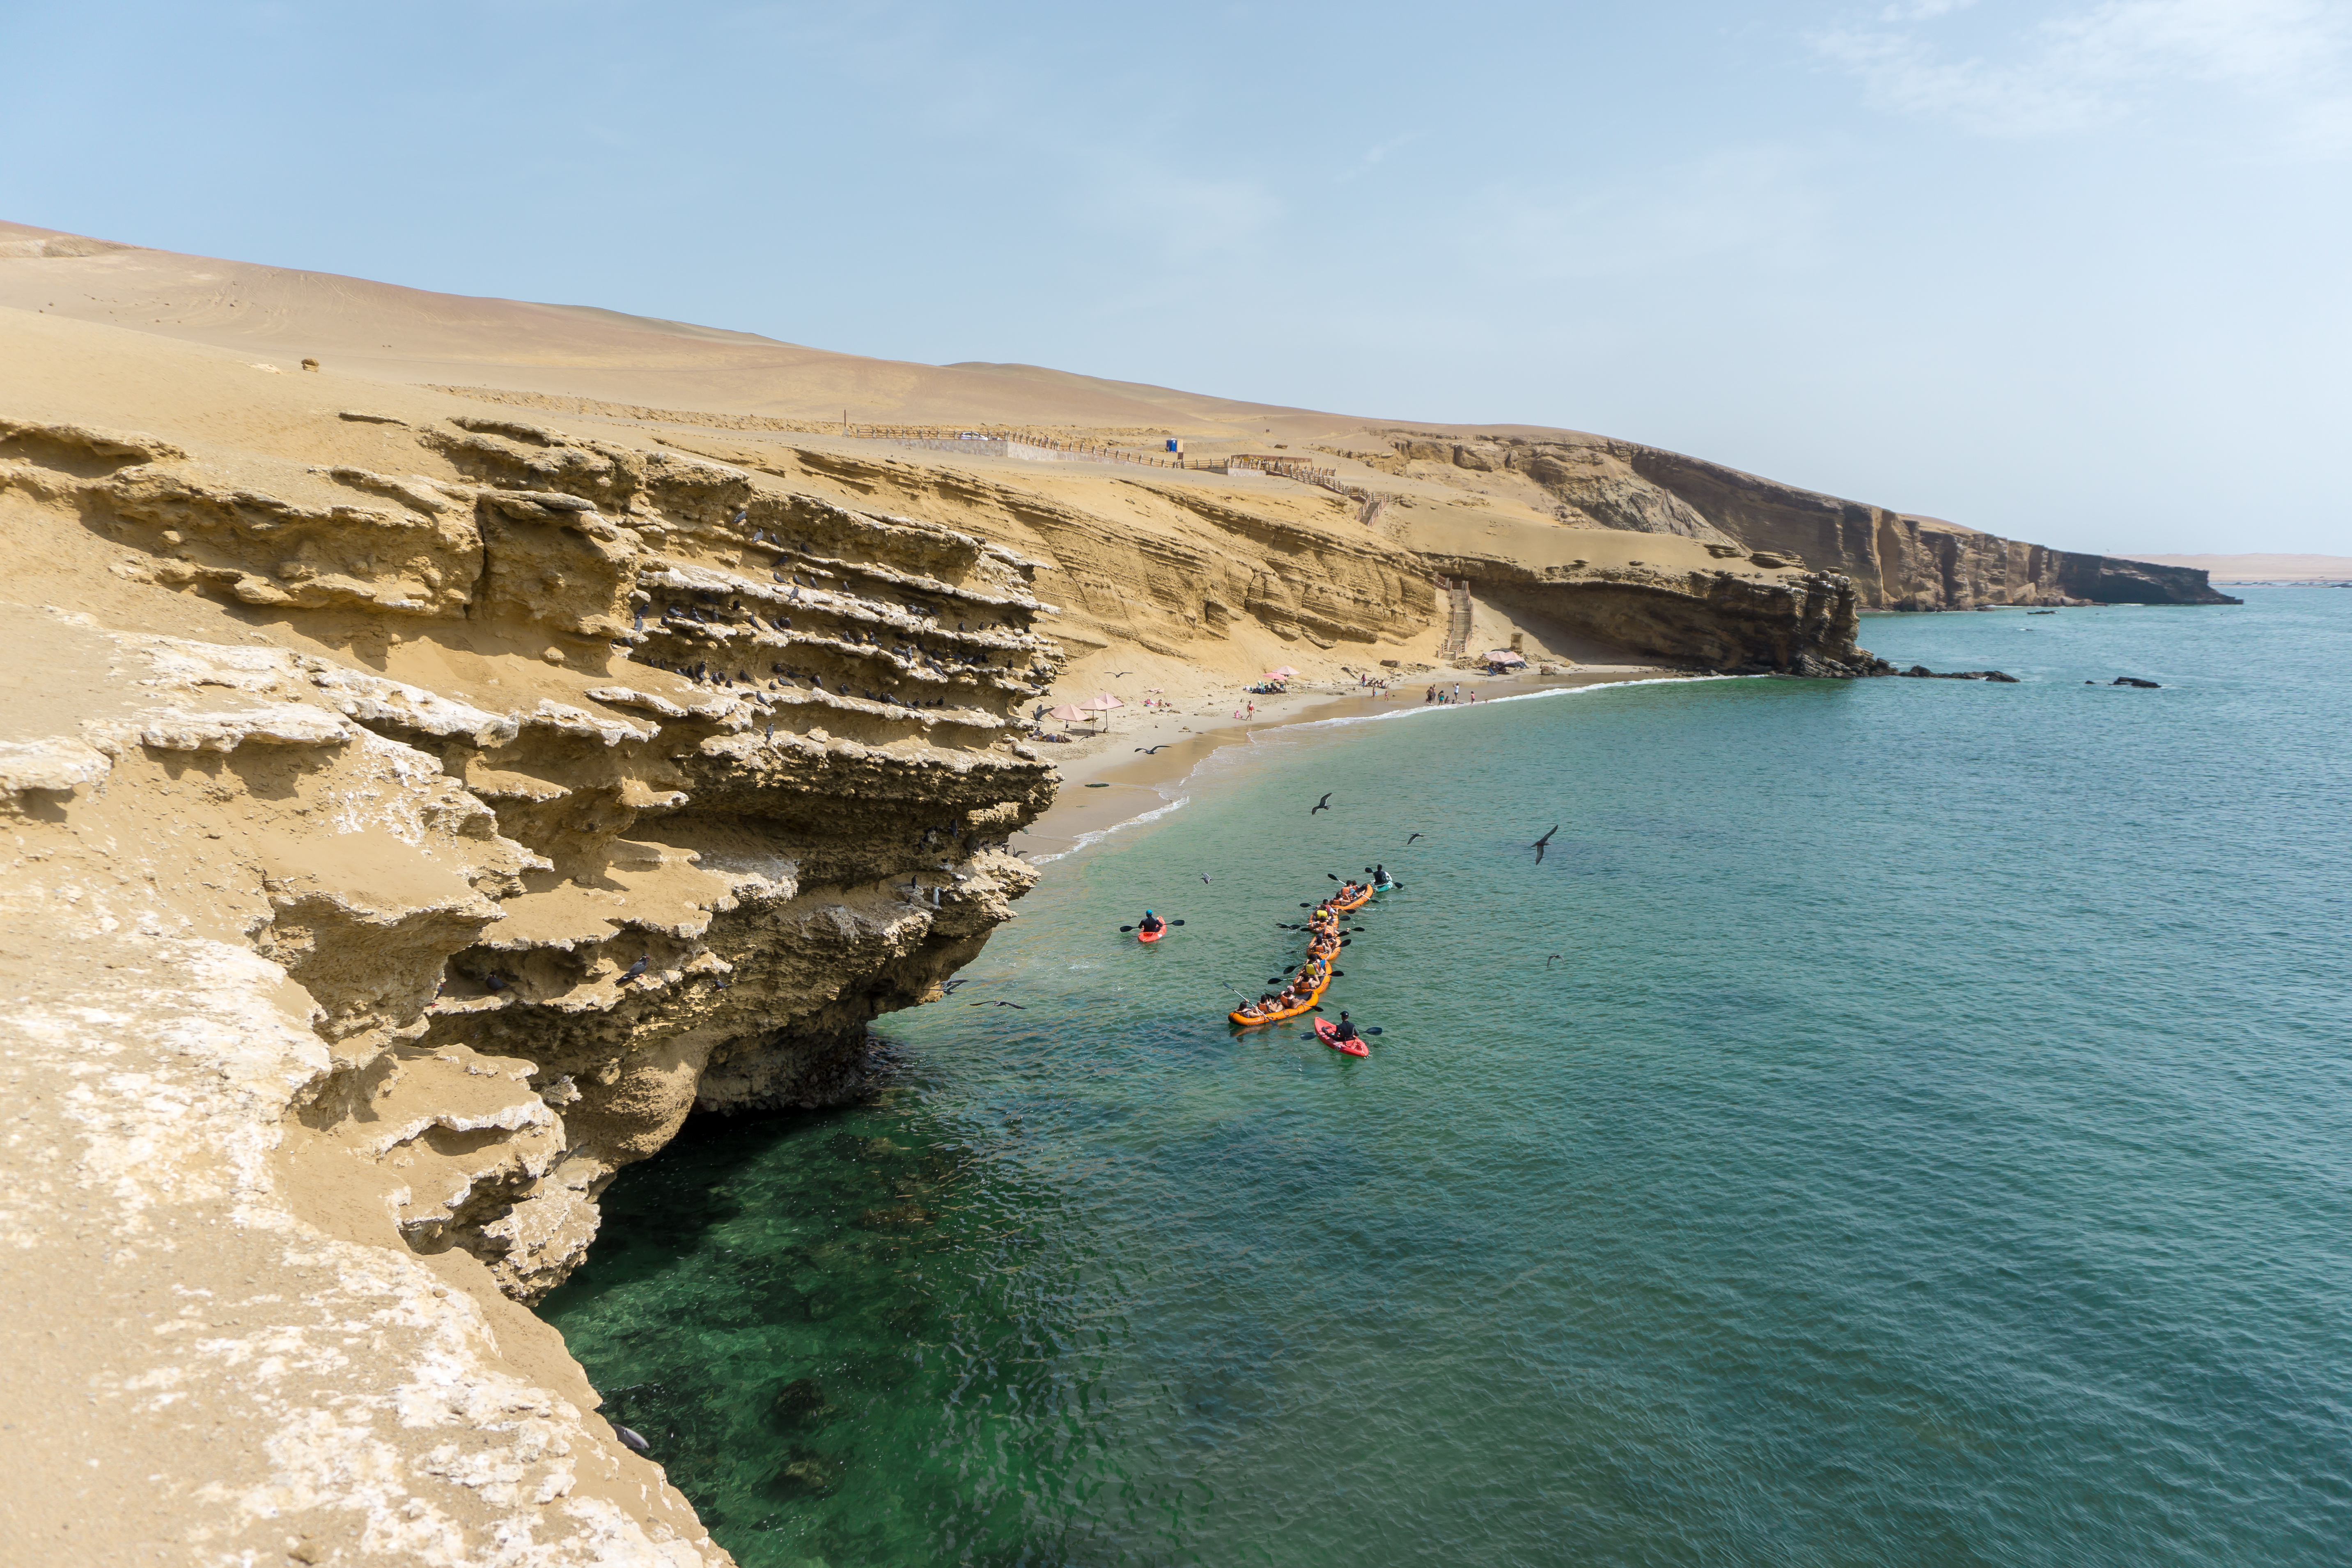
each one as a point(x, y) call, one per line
point(1475, 478)
point(385, 331)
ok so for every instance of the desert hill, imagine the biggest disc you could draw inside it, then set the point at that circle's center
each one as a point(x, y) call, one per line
point(383, 331)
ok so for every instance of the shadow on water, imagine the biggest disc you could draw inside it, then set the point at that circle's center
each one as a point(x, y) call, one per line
point(783, 1306)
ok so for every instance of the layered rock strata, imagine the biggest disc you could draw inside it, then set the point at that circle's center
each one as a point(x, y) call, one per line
point(1895, 561)
point(355, 989)
point(1717, 617)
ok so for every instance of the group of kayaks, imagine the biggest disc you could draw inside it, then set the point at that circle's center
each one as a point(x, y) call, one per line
point(1316, 974)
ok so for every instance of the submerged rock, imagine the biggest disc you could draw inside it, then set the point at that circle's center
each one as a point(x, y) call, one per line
point(1922, 672)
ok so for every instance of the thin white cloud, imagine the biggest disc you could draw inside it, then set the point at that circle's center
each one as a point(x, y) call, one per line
point(1755, 204)
point(2117, 61)
point(1374, 156)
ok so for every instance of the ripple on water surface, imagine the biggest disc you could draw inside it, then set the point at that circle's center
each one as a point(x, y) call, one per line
point(1931, 1146)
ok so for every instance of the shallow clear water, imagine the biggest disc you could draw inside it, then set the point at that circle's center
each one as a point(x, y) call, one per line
point(1932, 1144)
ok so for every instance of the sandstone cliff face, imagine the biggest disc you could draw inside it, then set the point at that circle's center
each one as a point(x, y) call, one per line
point(466, 958)
point(1167, 568)
point(1895, 561)
point(1790, 623)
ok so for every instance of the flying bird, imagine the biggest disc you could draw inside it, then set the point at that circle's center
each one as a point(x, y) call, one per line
point(1323, 805)
point(1150, 750)
point(1119, 674)
point(1549, 960)
point(631, 1439)
point(1409, 840)
point(1014, 1006)
point(1543, 840)
point(1204, 876)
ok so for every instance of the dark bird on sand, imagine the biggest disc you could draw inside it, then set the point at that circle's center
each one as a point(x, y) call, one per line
point(1149, 750)
point(1323, 805)
point(1543, 840)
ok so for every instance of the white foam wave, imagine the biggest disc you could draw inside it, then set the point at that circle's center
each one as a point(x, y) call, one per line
point(1228, 756)
point(1096, 837)
point(1428, 708)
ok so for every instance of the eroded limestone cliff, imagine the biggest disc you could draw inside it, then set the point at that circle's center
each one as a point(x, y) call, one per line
point(523, 795)
point(1895, 561)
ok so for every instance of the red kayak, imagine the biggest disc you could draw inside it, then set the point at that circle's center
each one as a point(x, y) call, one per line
point(1151, 935)
point(1328, 1033)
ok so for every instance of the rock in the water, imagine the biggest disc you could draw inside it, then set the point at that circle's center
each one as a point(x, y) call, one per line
point(2135, 680)
point(1922, 672)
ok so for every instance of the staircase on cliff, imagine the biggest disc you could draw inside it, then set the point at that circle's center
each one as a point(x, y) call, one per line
point(1457, 623)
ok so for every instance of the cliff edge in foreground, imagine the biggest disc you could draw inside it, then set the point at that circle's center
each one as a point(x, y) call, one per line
point(412, 818)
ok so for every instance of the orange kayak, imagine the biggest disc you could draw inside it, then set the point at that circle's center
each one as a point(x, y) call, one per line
point(1308, 1005)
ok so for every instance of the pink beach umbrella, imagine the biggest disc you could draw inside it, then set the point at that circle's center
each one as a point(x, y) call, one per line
point(1284, 673)
point(1101, 703)
point(1069, 714)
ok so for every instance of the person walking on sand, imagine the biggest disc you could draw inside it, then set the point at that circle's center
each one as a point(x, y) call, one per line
point(1430, 695)
point(1457, 691)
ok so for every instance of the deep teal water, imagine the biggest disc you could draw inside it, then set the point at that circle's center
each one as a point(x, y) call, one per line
point(1933, 1145)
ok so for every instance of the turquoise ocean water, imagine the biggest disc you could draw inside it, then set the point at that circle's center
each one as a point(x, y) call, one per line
point(1932, 1144)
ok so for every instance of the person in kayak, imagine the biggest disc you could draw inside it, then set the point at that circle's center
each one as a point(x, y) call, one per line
point(1150, 922)
point(1381, 878)
point(1345, 1032)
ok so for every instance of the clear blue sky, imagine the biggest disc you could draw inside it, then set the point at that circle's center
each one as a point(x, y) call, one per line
point(2074, 270)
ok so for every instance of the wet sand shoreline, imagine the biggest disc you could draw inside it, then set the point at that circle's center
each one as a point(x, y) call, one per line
point(1146, 753)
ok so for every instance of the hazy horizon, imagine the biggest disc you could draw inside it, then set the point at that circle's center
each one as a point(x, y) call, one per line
point(2067, 273)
